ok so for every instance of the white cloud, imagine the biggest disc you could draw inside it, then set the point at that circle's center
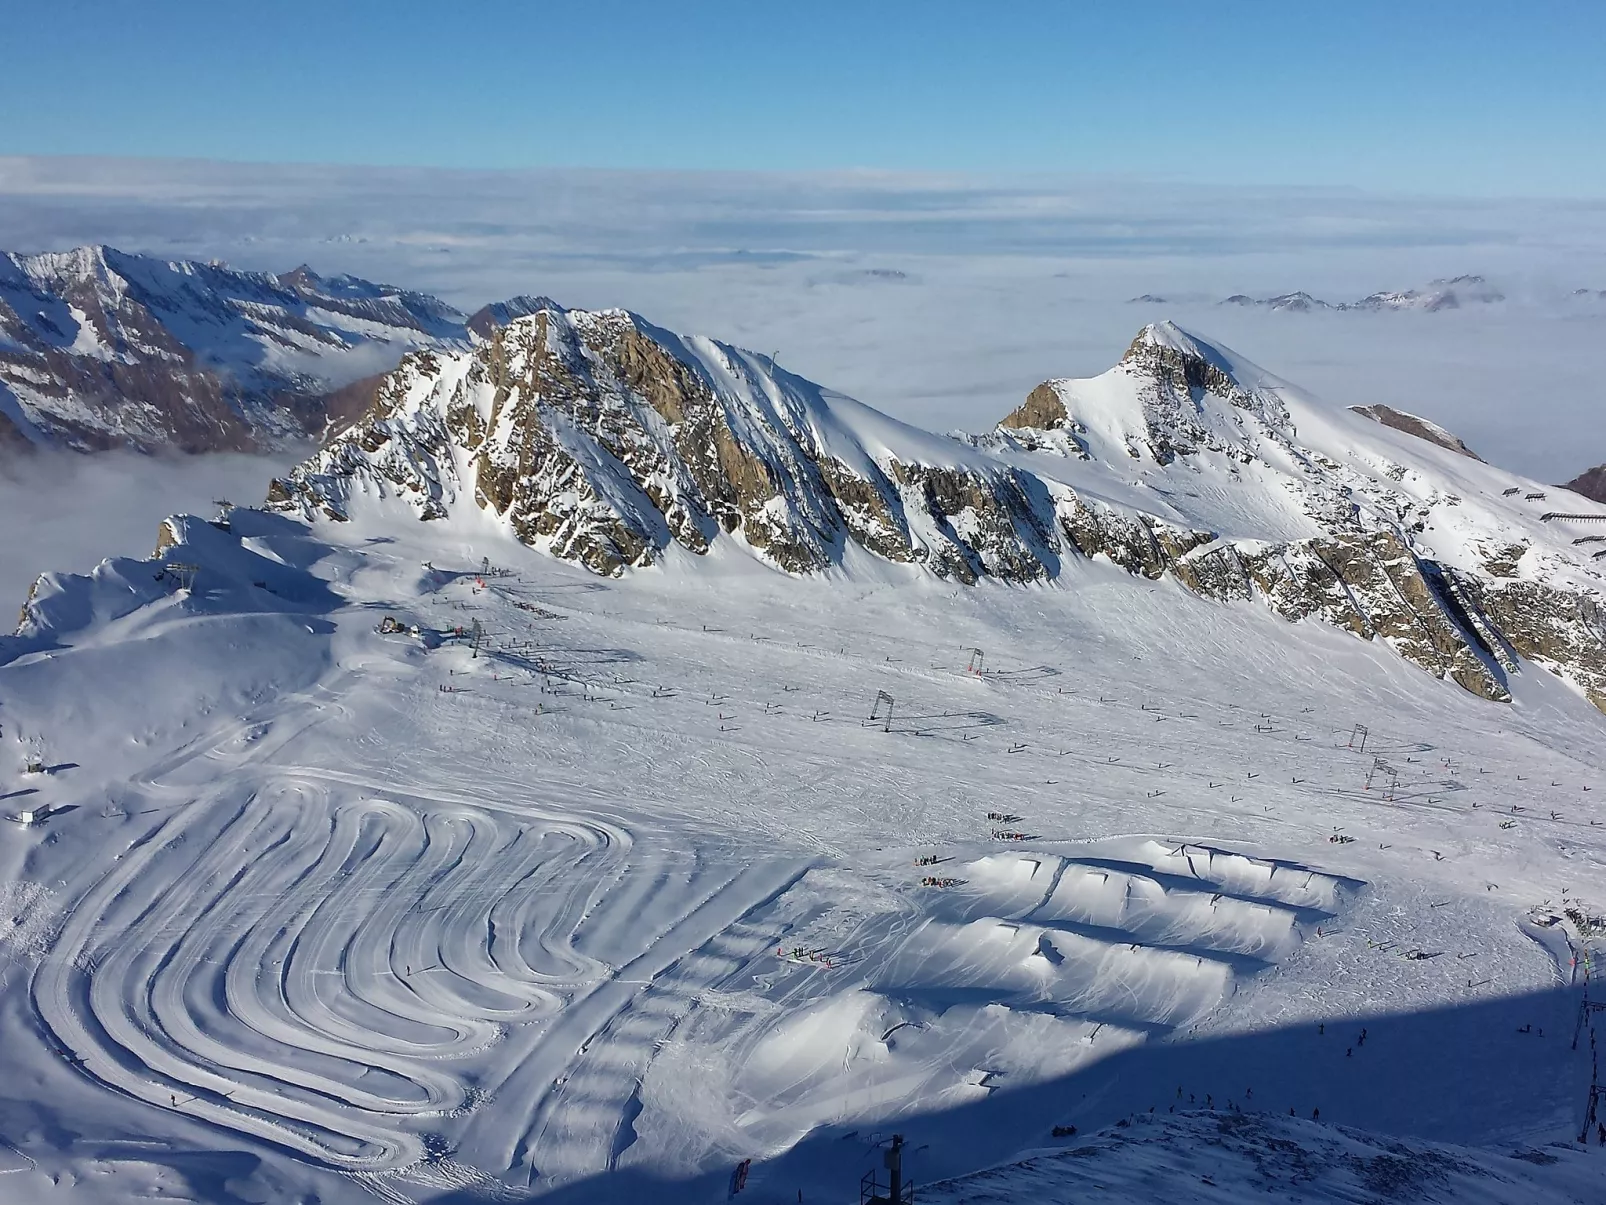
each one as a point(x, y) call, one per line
point(1006, 281)
point(68, 512)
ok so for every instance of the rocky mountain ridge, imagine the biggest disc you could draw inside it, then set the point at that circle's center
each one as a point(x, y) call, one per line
point(604, 440)
point(100, 349)
point(1591, 484)
point(1415, 424)
point(1445, 293)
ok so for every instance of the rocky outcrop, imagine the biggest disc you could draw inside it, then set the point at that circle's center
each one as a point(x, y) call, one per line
point(1591, 484)
point(484, 321)
point(1412, 424)
point(1562, 630)
point(609, 442)
point(1042, 410)
point(1372, 586)
point(606, 441)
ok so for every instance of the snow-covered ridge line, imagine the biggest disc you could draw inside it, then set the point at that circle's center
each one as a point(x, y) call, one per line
point(1442, 294)
point(103, 349)
point(610, 442)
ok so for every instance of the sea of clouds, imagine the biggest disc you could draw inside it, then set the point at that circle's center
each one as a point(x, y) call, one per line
point(940, 299)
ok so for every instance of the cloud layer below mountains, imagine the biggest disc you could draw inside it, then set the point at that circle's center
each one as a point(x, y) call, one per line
point(940, 299)
point(67, 512)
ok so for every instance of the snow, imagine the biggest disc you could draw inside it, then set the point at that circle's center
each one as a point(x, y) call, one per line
point(259, 328)
point(1280, 474)
point(1229, 1158)
point(633, 894)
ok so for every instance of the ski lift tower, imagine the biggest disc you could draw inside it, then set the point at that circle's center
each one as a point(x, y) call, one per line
point(881, 697)
point(185, 573)
point(896, 1192)
point(225, 508)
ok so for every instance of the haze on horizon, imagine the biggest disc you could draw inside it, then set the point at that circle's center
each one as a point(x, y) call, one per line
point(1431, 97)
point(928, 211)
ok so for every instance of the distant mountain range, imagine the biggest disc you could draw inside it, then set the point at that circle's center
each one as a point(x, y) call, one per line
point(1444, 294)
point(102, 349)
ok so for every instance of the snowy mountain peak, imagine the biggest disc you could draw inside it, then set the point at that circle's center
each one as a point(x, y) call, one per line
point(1591, 484)
point(604, 440)
point(1168, 335)
point(101, 348)
point(1173, 393)
point(500, 313)
point(1166, 343)
point(89, 262)
point(1444, 293)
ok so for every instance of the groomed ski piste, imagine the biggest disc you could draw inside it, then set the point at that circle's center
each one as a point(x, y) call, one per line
point(627, 887)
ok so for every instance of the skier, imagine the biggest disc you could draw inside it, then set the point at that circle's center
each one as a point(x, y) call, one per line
point(1315, 1114)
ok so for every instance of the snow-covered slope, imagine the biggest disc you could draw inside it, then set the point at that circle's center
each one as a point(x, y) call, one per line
point(1236, 1158)
point(100, 348)
point(607, 441)
point(1415, 424)
point(597, 887)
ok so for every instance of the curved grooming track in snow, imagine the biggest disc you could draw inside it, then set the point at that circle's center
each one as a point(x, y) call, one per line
point(306, 973)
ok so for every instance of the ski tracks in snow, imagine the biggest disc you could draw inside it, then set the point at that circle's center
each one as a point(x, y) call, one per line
point(332, 966)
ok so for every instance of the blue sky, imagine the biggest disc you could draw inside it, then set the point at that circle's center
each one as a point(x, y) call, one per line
point(1471, 97)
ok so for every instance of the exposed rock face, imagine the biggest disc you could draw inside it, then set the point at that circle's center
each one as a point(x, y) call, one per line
point(484, 321)
point(609, 442)
point(1042, 410)
point(1591, 484)
point(1562, 630)
point(1371, 586)
point(101, 349)
point(1411, 424)
point(605, 440)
